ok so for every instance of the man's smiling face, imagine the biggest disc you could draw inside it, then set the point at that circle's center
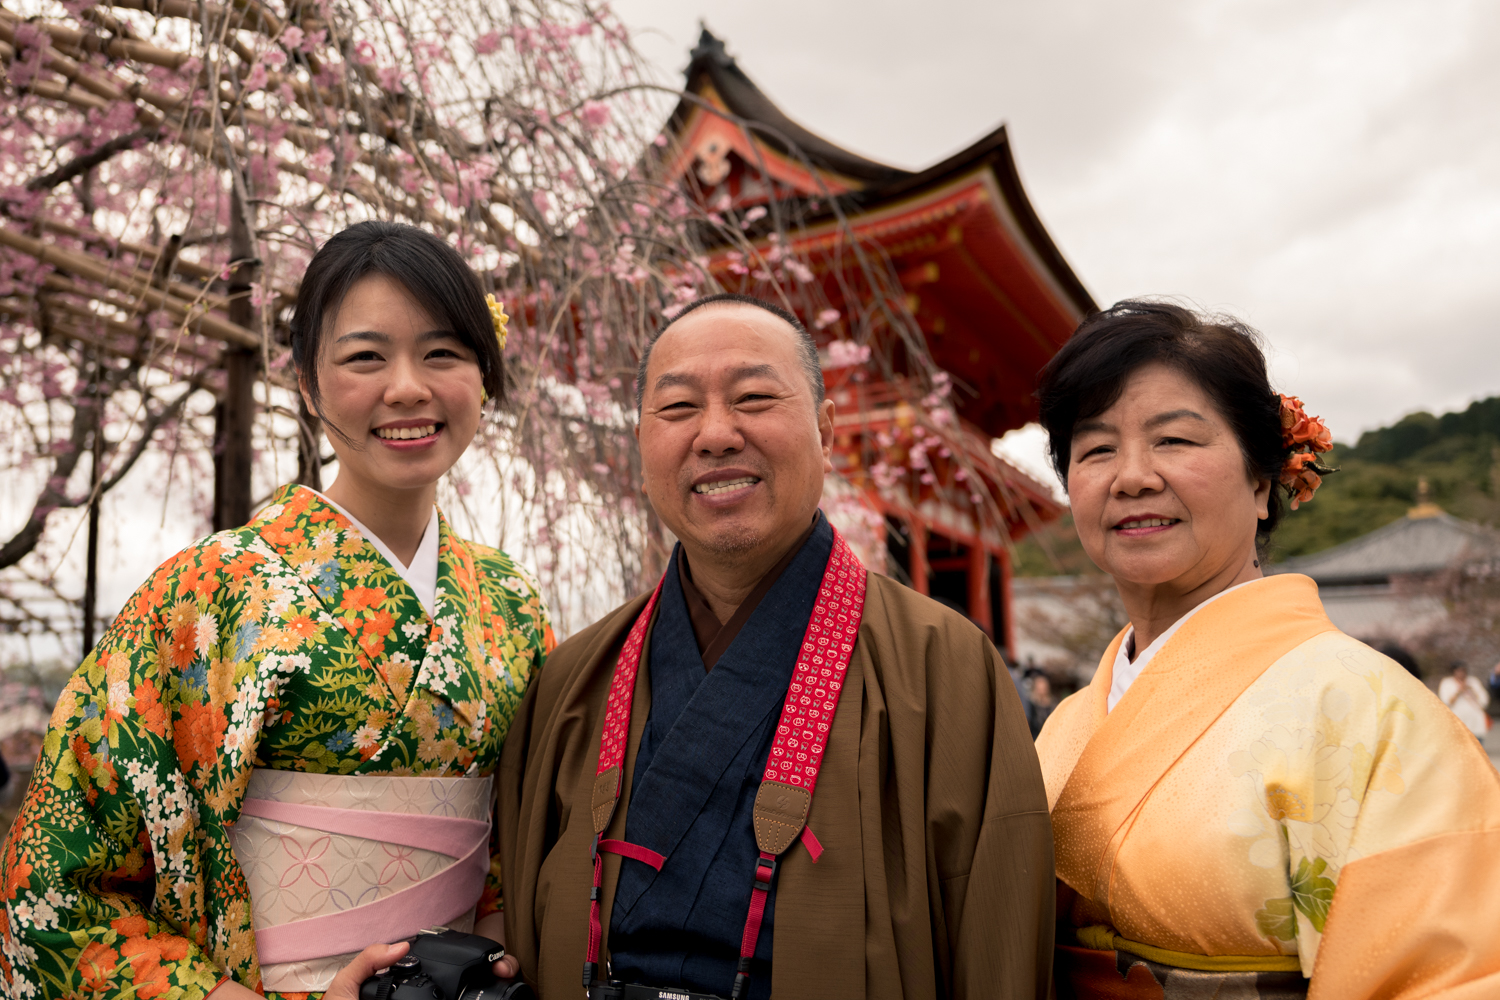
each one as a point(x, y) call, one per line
point(733, 445)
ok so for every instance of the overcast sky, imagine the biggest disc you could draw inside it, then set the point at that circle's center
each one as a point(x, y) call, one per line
point(1327, 171)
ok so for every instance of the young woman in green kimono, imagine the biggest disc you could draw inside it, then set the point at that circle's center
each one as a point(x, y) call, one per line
point(343, 633)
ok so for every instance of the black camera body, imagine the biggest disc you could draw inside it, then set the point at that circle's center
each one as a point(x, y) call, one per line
point(446, 965)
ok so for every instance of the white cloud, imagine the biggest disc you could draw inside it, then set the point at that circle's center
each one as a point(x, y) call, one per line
point(1328, 171)
point(1026, 449)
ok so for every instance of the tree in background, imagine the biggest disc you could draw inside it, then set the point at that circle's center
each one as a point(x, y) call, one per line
point(1471, 632)
point(169, 167)
point(1457, 454)
point(1078, 617)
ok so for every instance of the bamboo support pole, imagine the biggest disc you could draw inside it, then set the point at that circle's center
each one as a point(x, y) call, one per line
point(255, 17)
point(87, 267)
point(146, 253)
point(114, 298)
point(78, 313)
point(203, 272)
point(196, 373)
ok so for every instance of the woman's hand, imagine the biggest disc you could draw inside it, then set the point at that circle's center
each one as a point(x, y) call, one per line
point(345, 985)
point(493, 927)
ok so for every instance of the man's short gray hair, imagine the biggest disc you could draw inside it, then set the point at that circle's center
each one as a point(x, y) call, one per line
point(807, 348)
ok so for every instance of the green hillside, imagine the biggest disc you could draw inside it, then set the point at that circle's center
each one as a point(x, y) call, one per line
point(1378, 479)
point(1377, 482)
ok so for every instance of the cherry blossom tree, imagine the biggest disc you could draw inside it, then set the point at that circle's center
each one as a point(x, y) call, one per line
point(167, 168)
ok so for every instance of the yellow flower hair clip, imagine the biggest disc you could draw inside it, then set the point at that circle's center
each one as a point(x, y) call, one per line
point(498, 317)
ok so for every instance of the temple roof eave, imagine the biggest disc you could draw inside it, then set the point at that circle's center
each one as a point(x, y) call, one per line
point(711, 64)
point(994, 152)
point(858, 185)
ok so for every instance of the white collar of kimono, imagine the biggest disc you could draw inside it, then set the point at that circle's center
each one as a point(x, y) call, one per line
point(1127, 670)
point(422, 574)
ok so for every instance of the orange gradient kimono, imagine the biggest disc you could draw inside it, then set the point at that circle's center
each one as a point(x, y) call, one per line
point(1272, 799)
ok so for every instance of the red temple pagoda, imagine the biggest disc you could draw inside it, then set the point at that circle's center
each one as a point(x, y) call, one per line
point(993, 297)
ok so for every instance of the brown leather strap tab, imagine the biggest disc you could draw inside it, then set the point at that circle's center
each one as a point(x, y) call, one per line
point(606, 794)
point(780, 814)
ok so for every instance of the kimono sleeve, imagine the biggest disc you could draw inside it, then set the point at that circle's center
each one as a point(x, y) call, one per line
point(989, 829)
point(1413, 910)
point(106, 878)
point(521, 595)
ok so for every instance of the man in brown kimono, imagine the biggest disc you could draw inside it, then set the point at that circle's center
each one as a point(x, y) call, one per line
point(925, 866)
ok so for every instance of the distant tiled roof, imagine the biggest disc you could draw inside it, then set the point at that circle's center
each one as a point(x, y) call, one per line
point(1425, 544)
point(1372, 613)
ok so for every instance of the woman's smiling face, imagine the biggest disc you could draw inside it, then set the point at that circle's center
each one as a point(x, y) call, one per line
point(1159, 487)
point(401, 392)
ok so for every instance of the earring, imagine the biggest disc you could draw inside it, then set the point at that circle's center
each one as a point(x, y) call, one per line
point(484, 396)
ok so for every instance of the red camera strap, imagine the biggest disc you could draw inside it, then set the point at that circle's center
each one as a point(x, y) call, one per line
point(785, 796)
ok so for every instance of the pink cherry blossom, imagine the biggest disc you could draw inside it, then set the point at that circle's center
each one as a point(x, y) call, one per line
point(595, 114)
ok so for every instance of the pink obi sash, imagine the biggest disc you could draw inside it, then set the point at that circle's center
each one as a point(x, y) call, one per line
point(335, 863)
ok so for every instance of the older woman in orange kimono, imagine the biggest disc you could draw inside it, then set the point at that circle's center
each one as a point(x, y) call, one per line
point(1245, 801)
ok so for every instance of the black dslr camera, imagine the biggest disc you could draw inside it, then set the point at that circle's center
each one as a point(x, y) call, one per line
point(446, 965)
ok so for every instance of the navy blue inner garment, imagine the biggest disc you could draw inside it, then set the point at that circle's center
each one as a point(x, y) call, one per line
point(693, 792)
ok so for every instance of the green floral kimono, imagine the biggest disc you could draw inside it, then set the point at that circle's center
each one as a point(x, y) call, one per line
point(290, 643)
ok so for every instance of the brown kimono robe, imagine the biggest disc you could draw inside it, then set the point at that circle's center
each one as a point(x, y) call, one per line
point(937, 872)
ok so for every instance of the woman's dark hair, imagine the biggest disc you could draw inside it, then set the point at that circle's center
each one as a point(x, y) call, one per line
point(429, 269)
point(1219, 353)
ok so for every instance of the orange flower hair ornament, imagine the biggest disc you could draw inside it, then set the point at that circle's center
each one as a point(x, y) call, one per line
point(1306, 437)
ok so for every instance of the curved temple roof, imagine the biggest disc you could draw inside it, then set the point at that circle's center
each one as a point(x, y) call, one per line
point(716, 87)
point(745, 100)
point(991, 291)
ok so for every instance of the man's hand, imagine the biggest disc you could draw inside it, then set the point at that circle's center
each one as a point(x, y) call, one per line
point(493, 927)
point(345, 985)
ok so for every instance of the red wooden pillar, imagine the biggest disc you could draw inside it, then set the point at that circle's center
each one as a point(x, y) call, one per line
point(1007, 606)
point(918, 555)
point(979, 589)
